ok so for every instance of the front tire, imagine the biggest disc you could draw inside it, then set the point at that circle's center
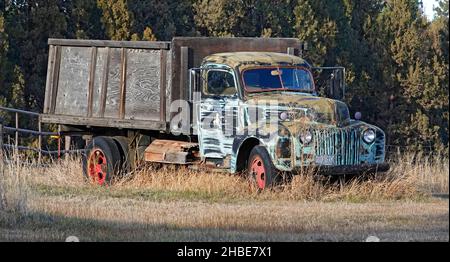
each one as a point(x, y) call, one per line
point(102, 161)
point(261, 170)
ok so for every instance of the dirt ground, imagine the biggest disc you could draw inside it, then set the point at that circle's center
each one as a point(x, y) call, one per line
point(96, 218)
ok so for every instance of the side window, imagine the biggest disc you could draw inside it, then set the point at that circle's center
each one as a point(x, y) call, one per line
point(220, 83)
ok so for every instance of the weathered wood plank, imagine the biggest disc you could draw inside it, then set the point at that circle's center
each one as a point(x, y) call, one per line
point(105, 122)
point(184, 68)
point(168, 93)
point(114, 75)
point(55, 71)
point(143, 84)
point(162, 85)
point(91, 81)
point(123, 83)
point(104, 89)
point(101, 60)
point(112, 44)
point(49, 81)
point(73, 83)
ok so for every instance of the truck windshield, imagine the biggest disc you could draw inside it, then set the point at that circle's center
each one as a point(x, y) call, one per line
point(278, 78)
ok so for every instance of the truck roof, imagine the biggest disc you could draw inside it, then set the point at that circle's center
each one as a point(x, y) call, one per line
point(243, 60)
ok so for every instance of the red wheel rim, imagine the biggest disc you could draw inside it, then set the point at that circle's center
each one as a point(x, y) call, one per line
point(97, 166)
point(259, 172)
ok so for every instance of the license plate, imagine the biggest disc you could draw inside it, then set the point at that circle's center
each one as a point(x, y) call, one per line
point(325, 160)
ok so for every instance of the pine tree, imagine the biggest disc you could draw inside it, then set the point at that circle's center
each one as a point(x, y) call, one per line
point(318, 32)
point(83, 19)
point(116, 18)
point(219, 17)
point(165, 18)
point(419, 105)
point(442, 9)
point(397, 61)
point(3, 59)
point(355, 50)
point(250, 18)
point(30, 23)
point(148, 35)
point(439, 80)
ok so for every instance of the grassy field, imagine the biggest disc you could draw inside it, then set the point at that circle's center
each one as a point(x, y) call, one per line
point(178, 204)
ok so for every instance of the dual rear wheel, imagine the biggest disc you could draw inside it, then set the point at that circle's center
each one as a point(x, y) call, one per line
point(102, 161)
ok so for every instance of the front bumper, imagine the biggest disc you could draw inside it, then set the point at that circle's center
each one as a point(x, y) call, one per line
point(350, 170)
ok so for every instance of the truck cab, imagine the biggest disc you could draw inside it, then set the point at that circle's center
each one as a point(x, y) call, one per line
point(260, 112)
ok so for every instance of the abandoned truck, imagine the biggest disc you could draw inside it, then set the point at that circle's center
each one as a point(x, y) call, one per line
point(246, 105)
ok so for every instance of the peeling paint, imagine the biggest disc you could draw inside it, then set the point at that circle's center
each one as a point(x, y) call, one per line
point(244, 60)
point(336, 139)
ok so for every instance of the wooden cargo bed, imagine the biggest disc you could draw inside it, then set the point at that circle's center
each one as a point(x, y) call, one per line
point(124, 84)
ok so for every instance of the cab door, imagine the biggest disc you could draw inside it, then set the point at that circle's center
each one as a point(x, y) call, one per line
point(217, 111)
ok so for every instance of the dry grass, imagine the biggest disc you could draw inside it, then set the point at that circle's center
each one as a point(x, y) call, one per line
point(97, 219)
point(179, 204)
point(431, 173)
point(411, 177)
point(14, 189)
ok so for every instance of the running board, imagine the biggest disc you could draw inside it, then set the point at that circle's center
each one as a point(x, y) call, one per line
point(172, 152)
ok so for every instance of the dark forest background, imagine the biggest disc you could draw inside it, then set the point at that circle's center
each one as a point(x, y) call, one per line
point(397, 60)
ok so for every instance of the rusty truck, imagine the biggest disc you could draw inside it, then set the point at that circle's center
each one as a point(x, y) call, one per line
point(244, 105)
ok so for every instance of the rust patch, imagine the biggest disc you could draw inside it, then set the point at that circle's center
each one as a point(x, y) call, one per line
point(243, 60)
point(173, 152)
point(321, 110)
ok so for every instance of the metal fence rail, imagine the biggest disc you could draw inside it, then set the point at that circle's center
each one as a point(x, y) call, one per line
point(17, 131)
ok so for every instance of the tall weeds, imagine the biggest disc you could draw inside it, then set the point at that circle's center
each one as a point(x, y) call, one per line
point(411, 177)
point(13, 186)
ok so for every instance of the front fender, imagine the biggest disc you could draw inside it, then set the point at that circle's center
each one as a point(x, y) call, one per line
point(266, 136)
point(242, 146)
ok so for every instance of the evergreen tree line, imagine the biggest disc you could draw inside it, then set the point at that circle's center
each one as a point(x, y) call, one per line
point(396, 59)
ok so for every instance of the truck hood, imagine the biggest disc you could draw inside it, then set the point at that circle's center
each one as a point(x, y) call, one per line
point(304, 108)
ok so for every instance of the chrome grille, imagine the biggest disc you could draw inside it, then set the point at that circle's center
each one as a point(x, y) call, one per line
point(341, 144)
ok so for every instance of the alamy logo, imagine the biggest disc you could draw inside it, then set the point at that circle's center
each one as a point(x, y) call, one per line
point(72, 239)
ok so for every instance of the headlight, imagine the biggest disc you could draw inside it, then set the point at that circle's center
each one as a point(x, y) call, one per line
point(369, 136)
point(284, 116)
point(306, 137)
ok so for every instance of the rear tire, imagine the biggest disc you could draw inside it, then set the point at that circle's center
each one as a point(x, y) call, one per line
point(125, 161)
point(102, 161)
point(261, 170)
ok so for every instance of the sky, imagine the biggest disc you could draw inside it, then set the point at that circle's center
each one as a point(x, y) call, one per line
point(428, 7)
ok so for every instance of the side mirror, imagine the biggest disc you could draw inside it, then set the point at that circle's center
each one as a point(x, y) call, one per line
point(330, 81)
point(358, 115)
